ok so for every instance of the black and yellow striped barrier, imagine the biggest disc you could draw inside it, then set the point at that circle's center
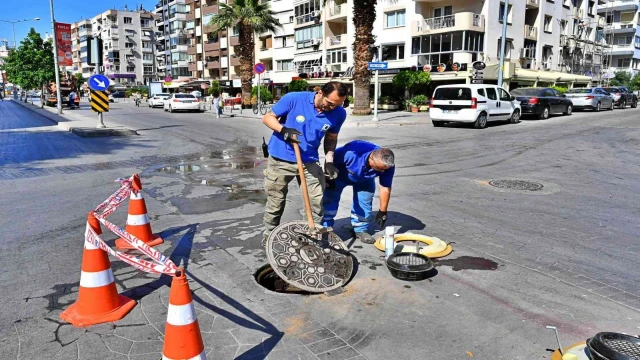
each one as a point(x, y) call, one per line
point(99, 101)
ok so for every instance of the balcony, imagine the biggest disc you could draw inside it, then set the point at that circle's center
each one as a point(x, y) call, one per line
point(530, 32)
point(533, 4)
point(235, 61)
point(147, 49)
point(193, 66)
point(456, 22)
point(213, 64)
point(337, 12)
point(622, 27)
point(564, 40)
point(619, 5)
point(212, 46)
point(527, 53)
point(625, 49)
point(147, 61)
point(265, 53)
point(308, 18)
point(179, 48)
point(190, 16)
point(191, 50)
point(211, 9)
point(234, 41)
point(336, 41)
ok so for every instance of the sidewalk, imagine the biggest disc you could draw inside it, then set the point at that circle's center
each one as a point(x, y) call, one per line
point(386, 118)
point(81, 121)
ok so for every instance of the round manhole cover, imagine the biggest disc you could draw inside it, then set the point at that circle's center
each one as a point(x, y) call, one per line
point(523, 185)
point(306, 263)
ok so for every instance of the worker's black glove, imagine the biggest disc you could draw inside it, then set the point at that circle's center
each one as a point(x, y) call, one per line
point(287, 134)
point(330, 170)
point(381, 218)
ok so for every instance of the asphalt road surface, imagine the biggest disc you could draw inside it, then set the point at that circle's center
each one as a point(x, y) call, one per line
point(557, 246)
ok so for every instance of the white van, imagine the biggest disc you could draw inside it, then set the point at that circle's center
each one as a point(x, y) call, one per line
point(473, 103)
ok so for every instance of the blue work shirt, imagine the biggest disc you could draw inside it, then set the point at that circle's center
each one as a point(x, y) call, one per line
point(303, 116)
point(352, 161)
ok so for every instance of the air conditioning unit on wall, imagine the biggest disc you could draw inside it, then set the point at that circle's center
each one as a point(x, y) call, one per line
point(316, 42)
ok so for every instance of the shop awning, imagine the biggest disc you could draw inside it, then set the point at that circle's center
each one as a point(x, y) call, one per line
point(549, 76)
point(313, 59)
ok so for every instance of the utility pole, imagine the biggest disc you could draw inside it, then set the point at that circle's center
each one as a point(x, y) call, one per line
point(503, 42)
point(375, 88)
point(55, 58)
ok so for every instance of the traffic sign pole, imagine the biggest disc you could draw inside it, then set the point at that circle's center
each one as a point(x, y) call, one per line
point(376, 90)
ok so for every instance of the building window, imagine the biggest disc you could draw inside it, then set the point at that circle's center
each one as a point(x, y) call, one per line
point(145, 23)
point(147, 56)
point(131, 68)
point(501, 13)
point(548, 23)
point(624, 63)
point(624, 40)
point(306, 12)
point(507, 48)
point(305, 36)
point(394, 19)
point(284, 65)
point(146, 45)
point(283, 41)
point(129, 45)
point(128, 20)
point(637, 41)
point(563, 27)
point(129, 32)
point(591, 7)
point(337, 56)
point(468, 41)
point(443, 11)
point(393, 52)
point(148, 70)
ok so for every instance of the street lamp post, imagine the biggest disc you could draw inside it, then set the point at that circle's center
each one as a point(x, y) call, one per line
point(13, 24)
point(55, 60)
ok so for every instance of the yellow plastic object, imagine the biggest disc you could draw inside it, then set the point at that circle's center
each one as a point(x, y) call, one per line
point(435, 247)
point(573, 352)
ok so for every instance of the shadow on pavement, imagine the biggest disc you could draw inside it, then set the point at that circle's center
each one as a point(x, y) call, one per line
point(402, 222)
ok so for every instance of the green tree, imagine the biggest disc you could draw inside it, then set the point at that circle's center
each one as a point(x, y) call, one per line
point(31, 65)
point(635, 83)
point(265, 94)
point(248, 17)
point(298, 85)
point(411, 80)
point(79, 80)
point(621, 78)
point(215, 87)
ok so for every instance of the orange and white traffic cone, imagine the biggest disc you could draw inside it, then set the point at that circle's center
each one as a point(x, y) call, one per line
point(182, 338)
point(138, 223)
point(98, 299)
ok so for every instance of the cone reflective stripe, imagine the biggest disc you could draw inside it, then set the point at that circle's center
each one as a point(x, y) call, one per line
point(138, 222)
point(98, 300)
point(182, 338)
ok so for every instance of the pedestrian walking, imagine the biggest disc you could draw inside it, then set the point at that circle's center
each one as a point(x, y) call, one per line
point(72, 99)
point(311, 116)
point(359, 163)
point(138, 99)
point(216, 103)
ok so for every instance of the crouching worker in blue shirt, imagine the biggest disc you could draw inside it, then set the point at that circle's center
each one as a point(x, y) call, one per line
point(359, 163)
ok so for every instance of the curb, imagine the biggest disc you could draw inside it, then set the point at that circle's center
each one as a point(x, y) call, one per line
point(65, 124)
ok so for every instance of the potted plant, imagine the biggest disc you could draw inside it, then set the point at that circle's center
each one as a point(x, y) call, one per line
point(350, 98)
point(419, 101)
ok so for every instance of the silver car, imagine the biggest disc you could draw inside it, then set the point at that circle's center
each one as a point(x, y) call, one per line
point(590, 98)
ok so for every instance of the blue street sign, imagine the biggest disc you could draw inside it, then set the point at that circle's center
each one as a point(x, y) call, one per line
point(98, 82)
point(259, 68)
point(378, 65)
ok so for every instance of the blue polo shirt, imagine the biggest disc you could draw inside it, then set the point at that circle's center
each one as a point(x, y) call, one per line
point(301, 114)
point(352, 163)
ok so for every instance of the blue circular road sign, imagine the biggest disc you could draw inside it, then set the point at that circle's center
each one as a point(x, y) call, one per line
point(259, 68)
point(98, 82)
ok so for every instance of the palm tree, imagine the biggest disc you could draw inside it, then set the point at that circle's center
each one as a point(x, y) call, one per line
point(248, 17)
point(364, 15)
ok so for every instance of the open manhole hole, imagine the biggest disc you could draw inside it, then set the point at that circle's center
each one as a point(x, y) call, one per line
point(522, 185)
point(268, 279)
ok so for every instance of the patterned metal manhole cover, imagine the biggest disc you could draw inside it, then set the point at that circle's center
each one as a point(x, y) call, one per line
point(308, 264)
point(516, 185)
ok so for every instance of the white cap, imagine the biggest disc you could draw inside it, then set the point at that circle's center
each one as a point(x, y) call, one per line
point(390, 230)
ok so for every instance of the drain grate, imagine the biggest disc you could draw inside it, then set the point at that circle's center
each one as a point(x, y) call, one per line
point(522, 185)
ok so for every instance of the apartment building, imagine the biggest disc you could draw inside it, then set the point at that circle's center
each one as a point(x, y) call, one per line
point(172, 42)
point(622, 32)
point(277, 50)
point(128, 37)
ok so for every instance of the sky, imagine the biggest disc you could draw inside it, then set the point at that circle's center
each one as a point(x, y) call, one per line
point(66, 11)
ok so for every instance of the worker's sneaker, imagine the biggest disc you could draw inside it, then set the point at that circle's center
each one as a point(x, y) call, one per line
point(365, 238)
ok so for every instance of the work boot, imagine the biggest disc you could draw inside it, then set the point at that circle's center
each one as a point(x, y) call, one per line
point(365, 238)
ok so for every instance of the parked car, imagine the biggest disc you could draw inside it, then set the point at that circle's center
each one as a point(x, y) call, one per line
point(543, 102)
point(158, 99)
point(186, 102)
point(474, 103)
point(623, 97)
point(595, 99)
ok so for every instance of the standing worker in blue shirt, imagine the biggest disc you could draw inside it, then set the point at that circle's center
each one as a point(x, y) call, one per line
point(359, 163)
point(311, 116)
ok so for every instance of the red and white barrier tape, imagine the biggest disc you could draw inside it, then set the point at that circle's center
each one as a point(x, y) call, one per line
point(160, 265)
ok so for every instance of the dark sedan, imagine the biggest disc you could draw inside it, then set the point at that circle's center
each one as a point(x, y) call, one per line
point(542, 102)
